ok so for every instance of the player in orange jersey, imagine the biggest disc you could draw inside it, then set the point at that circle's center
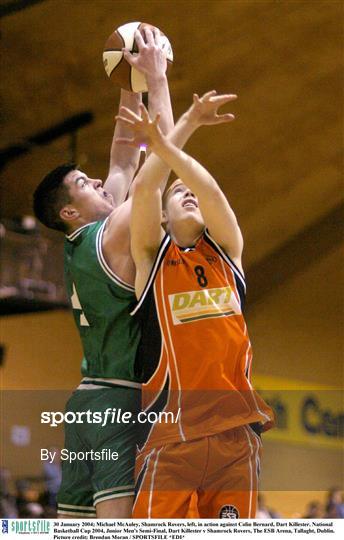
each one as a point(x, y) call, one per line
point(195, 347)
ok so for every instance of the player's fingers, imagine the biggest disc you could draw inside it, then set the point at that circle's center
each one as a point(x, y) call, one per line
point(160, 41)
point(157, 119)
point(149, 37)
point(122, 118)
point(221, 119)
point(139, 40)
point(196, 98)
point(157, 37)
point(125, 141)
point(124, 111)
point(224, 98)
point(208, 95)
point(144, 112)
point(130, 58)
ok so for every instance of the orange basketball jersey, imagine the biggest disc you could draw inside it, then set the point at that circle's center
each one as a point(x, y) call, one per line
point(195, 351)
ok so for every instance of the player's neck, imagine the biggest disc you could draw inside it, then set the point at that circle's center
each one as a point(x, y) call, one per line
point(185, 235)
point(83, 220)
point(77, 224)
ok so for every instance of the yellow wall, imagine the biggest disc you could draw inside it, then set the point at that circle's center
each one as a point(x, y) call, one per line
point(297, 333)
point(41, 368)
point(42, 351)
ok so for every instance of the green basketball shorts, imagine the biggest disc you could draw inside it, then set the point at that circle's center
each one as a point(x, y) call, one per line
point(98, 461)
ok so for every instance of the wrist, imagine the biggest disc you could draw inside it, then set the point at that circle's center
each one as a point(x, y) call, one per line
point(192, 119)
point(153, 79)
point(160, 144)
point(128, 98)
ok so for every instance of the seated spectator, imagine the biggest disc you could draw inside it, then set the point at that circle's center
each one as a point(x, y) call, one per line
point(314, 510)
point(263, 512)
point(334, 503)
point(8, 508)
point(52, 476)
point(27, 500)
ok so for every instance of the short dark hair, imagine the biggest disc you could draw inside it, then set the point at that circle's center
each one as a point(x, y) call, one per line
point(51, 195)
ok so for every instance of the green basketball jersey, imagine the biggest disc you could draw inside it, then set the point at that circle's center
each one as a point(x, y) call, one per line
point(101, 304)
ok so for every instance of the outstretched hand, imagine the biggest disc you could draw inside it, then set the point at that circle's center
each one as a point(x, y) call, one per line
point(204, 109)
point(150, 60)
point(146, 131)
point(202, 112)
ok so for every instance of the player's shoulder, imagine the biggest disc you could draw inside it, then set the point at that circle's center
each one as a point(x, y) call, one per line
point(119, 218)
point(232, 259)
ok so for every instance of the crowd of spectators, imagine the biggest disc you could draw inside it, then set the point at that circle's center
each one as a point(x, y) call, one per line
point(30, 497)
point(332, 508)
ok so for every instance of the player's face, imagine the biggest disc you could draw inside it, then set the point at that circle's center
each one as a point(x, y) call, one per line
point(88, 198)
point(182, 205)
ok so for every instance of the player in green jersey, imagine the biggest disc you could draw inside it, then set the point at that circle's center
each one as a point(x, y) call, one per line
point(99, 277)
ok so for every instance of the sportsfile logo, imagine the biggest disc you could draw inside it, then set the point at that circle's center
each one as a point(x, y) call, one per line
point(191, 306)
point(25, 526)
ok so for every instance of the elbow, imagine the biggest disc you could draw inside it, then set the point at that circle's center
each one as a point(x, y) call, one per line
point(240, 243)
point(131, 167)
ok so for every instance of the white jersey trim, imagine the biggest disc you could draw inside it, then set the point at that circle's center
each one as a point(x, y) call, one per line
point(71, 237)
point(145, 464)
point(253, 465)
point(101, 259)
point(114, 496)
point(151, 491)
point(112, 490)
point(85, 385)
point(75, 513)
point(76, 507)
point(181, 431)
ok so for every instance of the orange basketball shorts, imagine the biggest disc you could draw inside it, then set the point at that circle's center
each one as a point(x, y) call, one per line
point(222, 469)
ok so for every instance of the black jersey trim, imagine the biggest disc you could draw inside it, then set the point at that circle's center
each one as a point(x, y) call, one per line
point(105, 266)
point(165, 243)
point(225, 256)
point(238, 275)
point(157, 405)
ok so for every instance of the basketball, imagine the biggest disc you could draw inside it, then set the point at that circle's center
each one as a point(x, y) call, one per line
point(120, 72)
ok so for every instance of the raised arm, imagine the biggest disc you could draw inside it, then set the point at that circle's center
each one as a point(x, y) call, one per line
point(159, 100)
point(146, 228)
point(151, 61)
point(218, 216)
point(123, 161)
